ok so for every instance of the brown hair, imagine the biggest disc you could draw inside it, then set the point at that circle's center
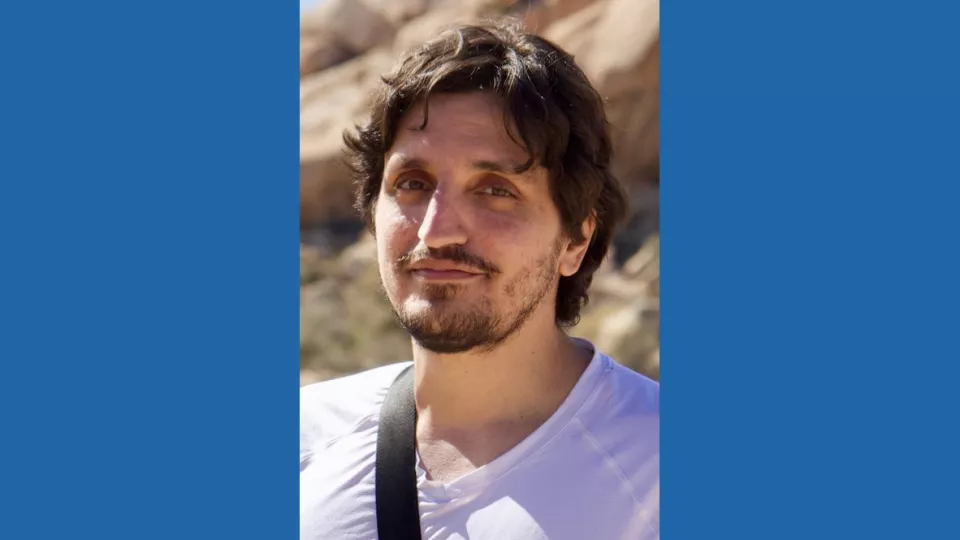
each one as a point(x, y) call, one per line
point(558, 115)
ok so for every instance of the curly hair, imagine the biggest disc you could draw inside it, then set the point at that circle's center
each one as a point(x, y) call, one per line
point(558, 115)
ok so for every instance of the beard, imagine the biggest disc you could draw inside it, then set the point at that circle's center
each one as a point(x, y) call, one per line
point(452, 325)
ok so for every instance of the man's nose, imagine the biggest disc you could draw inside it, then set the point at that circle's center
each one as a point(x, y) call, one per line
point(442, 224)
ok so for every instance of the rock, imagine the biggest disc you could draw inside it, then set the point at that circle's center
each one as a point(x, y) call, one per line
point(330, 102)
point(320, 52)
point(428, 25)
point(440, 15)
point(645, 263)
point(332, 236)
point(337, 97)
point(623, 37)
point(359, 257)
point(398, 12)
point(623, 316)
point(539, 15)
point(616, 43)
point(574, 33)
point(643, 221)
point(632, 336)
point(352, 24)
point(346, 323)
point(633, 106)
point(624, 63)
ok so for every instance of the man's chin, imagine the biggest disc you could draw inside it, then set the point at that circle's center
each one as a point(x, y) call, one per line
point(443, 328)
point(439, 293)
point(438, 317)
point(429, 304)
point(444, 345)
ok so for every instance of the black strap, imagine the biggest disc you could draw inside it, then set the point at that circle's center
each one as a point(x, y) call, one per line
point(398, 511)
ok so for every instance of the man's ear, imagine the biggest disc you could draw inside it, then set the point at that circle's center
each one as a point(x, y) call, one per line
point(572, 256)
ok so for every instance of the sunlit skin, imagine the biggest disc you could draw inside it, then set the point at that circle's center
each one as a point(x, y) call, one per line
point(470, 254)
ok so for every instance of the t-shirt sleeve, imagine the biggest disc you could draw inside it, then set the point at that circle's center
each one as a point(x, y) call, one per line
point(332, 409)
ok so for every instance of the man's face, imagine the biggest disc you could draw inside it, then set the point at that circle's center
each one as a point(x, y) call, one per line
point(468, 249)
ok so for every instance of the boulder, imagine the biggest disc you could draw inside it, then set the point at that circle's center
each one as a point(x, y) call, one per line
point(624, 63)
point(623, 36)
point(319, 52)
point(330, 102)
point(352, 24)
point(574, 33)
point(539, 15)
point(428, 25)
point(631, 335)
point(617, 44)
point(398, 12)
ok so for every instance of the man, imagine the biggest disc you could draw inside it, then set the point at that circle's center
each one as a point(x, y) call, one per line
point(484, 176)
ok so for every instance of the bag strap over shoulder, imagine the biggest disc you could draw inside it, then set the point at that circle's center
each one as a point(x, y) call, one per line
point(398, 510)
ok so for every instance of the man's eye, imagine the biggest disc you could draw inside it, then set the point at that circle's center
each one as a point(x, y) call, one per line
point(412, 184)
point(496, 191)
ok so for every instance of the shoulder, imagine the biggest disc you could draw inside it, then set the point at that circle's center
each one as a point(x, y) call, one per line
point(334, 408)
point(628, 426)
point(624, 415)
point(629, 392)
point(622, 423)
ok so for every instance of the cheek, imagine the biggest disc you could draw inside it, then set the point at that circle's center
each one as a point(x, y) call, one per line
point(518, 238)
point(501, 229)
point(394, 234)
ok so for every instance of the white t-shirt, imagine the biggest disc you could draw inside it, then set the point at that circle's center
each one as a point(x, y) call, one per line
point(591, 472)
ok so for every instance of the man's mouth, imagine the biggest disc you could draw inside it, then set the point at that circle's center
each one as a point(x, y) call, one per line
point(431, 274)
point(439, 270)
point(446, 265)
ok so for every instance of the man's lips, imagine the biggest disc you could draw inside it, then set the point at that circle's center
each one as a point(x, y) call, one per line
point(443, 270)
point(443, 275)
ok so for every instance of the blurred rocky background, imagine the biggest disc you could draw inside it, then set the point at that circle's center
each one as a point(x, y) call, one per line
point(345, 323)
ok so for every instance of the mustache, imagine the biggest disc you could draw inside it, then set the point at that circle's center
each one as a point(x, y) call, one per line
point(454, 254)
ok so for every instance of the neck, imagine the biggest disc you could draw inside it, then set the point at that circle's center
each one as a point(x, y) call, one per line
point(523, 381)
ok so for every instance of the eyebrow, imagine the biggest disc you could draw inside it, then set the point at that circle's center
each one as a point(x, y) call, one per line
point(407, 163)
point(495, 167)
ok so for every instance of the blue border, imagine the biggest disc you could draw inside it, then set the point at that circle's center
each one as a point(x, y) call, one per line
point(149, 203)
point(809, 240)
